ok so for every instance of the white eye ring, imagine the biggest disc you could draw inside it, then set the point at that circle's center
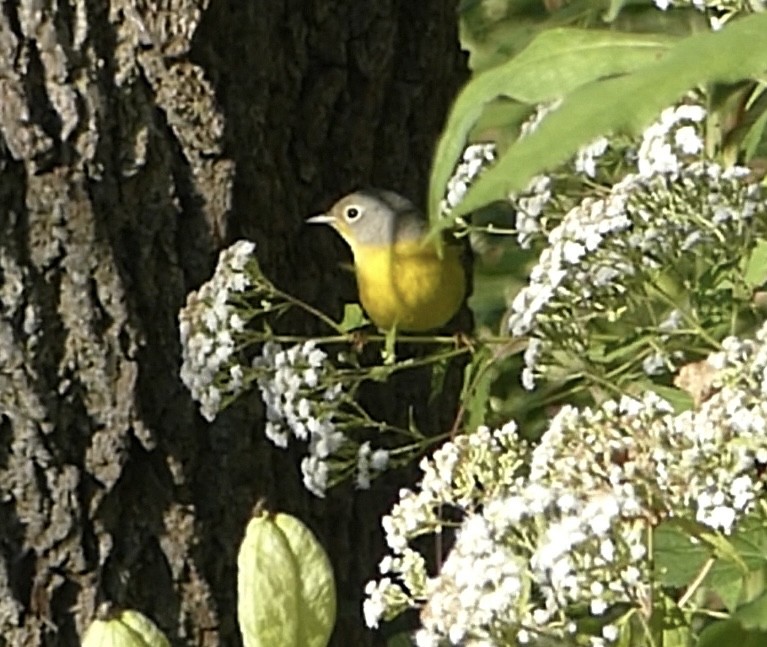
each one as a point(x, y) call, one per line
point(352, 213)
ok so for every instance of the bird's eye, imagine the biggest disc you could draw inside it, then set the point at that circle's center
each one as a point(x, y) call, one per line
point(352, 213)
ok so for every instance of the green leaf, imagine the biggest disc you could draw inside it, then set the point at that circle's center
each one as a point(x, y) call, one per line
point(626, 103)
point(749, 131)
point(619, 348)
point(754, 585)
point(754, 614)
point(729, 589)
point(680, 636)
point(500, 122)
point(614, 9)
point(626, 637)
point(737, 574)
point(754, 141)
point(680, 400)
point(671, 622)
point(555, 63)
point(354, 317)
point(750, 541)
point(730, 632)
point(725, 550)
point(477, 381)
point(727, 574)
point(437, 385)
point(491, 39)
point(755, 274)
point(677, 558)
point(400, 640)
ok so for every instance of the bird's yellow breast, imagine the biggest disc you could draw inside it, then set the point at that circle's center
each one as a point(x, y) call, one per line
point(409, 285)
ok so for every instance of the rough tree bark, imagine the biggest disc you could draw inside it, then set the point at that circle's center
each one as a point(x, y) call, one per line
point(136, 139)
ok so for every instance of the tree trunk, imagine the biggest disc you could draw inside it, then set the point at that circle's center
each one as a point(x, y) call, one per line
point(138, 139)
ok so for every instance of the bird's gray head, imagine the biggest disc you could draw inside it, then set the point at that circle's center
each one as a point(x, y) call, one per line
point(374, 217)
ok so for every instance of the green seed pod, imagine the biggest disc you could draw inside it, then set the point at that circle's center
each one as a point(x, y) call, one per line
point(124, 629)
point(317, 601)
point(144, 627)
point(286, 590)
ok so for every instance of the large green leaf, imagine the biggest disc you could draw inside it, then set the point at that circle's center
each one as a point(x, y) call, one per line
point(677, 559)
point(730, 632)
point(492, 38)
point(626, 103)
point(554, 64)
point(736, 574)
point(753, 615)
point(755, 274)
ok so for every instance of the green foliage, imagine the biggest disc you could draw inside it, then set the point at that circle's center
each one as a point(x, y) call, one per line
point(753, 615)
point(755, 274)
point(478, 378)
point(752, 131)
point(731, 632)
point(649, 73)
point(353, 318)
point(556, 63)
point(680, 400)
point(608, 68)
point(400, 640)
point(731, 567)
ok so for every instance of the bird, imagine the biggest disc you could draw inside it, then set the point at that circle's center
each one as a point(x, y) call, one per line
point(406, 281)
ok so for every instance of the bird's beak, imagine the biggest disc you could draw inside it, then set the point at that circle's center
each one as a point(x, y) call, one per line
point(321, 219)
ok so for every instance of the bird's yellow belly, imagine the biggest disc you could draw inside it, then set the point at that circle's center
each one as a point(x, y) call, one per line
point(410, 286)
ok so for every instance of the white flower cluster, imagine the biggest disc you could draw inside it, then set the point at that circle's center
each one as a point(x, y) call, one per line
point(535, 119)
point(587, 156)
point(718, 11)
point(730, 433)
point(207, 325)
point(475, 157)
point(369, 463)
point(542, 191)
point(459, 475)
point(545, 195)
point(669, 210)
point(542, 194)
point(573, 533)
point(306, 395)
point(660, 360)
point(304, 398)
point(529, 205)
point(671, 139)
point(286, 378)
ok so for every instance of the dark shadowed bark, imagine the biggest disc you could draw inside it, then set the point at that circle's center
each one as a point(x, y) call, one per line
point(137, 139)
